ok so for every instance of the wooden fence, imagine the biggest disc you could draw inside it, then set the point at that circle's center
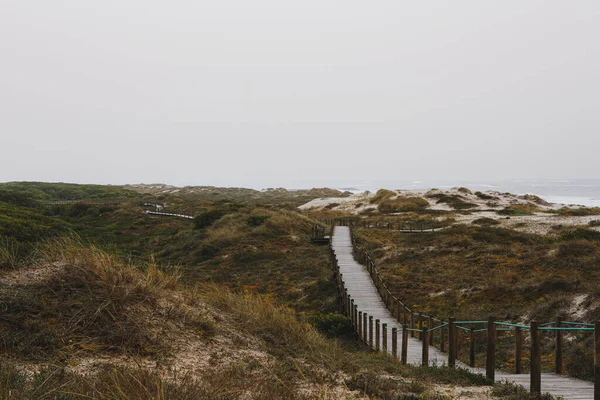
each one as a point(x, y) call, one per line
point(107, 201)
point(402, 226)
point(426, 326)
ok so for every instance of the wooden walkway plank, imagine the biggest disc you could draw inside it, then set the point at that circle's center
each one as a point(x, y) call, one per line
point(362, 290)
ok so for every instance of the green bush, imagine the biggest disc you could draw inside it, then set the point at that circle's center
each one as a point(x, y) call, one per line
point(17, 198)
point(455, 201)
point(576, 248)
point(27, 224)
point(332, 325)
point(486, 221)
point(484, 196)
point(208, 218)
point(578, 212)
point(382, 194)
point(256, 220)
point(403, 204)
point(208, 251)
point(581, 233)
point(518, 210)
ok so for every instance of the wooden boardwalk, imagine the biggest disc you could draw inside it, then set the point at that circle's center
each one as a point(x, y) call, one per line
point(165, 214)
point(362, 290)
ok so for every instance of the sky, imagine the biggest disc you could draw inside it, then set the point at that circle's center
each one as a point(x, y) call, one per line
point(270, 93)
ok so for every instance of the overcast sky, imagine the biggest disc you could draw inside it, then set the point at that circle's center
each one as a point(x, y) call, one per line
point(298, 93)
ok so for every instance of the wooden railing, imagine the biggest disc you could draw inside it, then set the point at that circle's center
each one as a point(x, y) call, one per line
point(402, 225)
point(100, 201)
point(425, 326)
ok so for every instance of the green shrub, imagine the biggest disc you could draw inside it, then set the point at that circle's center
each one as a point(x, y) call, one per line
point(382, 194)
point(208, 218)
point(578, 212)
point(332, 325)
point(455, 201)
point(256, 220)
point(208, 251)
point(27, 224)
point(403, 204)
point(581, 233)
point(17, 198)
point(576, 248)
point(484, 196)
point(519, 210)
point(486, 221)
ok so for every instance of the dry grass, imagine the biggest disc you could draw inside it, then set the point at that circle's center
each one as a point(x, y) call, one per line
point(382, 194)
point(403, 204)
point(95, 302)
point(98, 305)
point(277, 326)
point(249, 381)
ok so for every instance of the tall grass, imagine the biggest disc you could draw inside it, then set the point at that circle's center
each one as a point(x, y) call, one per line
point(95, 302)
point(14, 253)
point(278, 326)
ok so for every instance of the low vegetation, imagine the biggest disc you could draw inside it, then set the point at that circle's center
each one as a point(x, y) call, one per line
point(455, 201)
point(486, 221)
point(403, 204)
point(578, 212)
point(381, 195)
point(105, 329)
point(520, 209)
point(93, 305)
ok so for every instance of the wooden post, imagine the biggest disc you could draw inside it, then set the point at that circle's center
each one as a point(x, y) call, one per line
point(384, 340)
point(518, 349)
point(348, 304)
point(360, 334)
point(355, 315)
point(490, 362)
point(472, 348)
point(420, 326)
point(395, 343)
point(559, 348)
point(412, 323)
point(597, 360)
point(451, 343)
point(405, 318)
point(404, 354)
point(377, 335)
point(398, 312)
point(371, 331)
point(430, 326)
point(536, 359)
point(425, 349)
point(365, 329)
point(442, 338)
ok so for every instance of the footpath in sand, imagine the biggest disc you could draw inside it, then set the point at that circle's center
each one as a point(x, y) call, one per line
point(364, 293)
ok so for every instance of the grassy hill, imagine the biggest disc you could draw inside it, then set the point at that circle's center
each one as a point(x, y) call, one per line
point(80, 322)
point(107, 302)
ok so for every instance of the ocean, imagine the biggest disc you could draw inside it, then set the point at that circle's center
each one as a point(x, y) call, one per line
point(585, 192)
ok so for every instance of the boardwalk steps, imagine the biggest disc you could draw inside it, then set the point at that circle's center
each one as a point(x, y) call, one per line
point(356, 285)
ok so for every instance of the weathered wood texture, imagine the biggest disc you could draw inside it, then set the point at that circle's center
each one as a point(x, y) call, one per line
point(362, 291)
